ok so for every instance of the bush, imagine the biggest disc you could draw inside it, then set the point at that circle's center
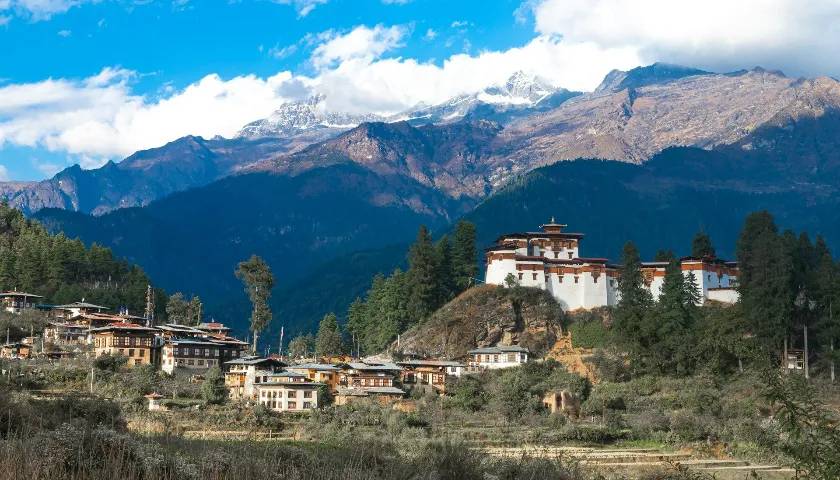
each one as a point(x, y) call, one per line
point(213, 389)
point(110, 363)
point(689, 427)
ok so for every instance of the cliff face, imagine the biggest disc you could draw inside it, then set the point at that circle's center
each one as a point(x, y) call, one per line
point(486, 316)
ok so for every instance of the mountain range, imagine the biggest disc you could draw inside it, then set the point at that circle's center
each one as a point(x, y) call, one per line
point(668, 150)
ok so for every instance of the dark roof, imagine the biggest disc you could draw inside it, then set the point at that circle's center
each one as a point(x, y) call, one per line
point(253, 361)
point(431, 363)
point(124, 326)
point(316, 366)
point(529, 235)
point(81, 305)
point(366, 391)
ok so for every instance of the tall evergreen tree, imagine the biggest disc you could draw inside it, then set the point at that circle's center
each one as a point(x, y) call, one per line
point(258, 280)
point(664, 256)
point(765, 273)
point(178, 309)
point(328, 340)
point(464, 255)
point(673, 322)
point(445, 274)
point(422, 276)
point(701, 245)
point(634, 301)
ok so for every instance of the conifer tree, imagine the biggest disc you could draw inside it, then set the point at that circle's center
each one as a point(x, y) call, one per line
point(464, 255)
point(258, 280)
point(765, 286)
point(328, 341)
point(178, 309)
point(664, 256)
point(445, 274)
point(195, 311)
point(301, 346)
point(701, 245)
point(671, 347)
point(635, 300)
point(422, 280)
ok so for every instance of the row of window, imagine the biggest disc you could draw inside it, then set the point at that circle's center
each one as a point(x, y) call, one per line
point(122, 342)
point(273, 404)
point(496, 358)
point(373, 382)
point(289, 394)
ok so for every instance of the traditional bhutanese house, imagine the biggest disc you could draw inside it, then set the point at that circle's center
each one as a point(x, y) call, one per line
point(229, 348)
point(288, 392)
point(502, 356)
point(16, 350)
point(319, 372)
point(174, 330)
point(242, 375)
point(214, 327)
point(430, 372)
point(72, 310)
point(66, 333)
point(382, 395)
point(191, 354)
point(16, 302)
point(130, 340)
point(368, 374)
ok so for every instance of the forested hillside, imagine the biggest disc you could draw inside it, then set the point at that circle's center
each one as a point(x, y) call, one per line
point(63, 270)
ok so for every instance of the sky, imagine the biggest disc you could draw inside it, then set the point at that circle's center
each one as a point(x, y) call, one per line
point(87, 81)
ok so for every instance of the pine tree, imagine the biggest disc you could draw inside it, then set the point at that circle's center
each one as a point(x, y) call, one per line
point(445, 274)
point(302, 346)
point(664, 256)
point(195, 311)
point(765, 280)
point(671, 347)
point(178, 309)
point(422, 281)
point(258, 280)
point(213, 389)
point(464, 255)
point(701, 246)
point(328, 341)
point(634, 300)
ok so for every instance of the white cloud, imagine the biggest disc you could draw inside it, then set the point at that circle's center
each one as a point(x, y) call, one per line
point(798, 37)
point(98, 118)
point(4, 174)
point(64, 33)
point(282, 52)
point(303, 7)
point(41, 9)
point(430, 35)
point(361, 43)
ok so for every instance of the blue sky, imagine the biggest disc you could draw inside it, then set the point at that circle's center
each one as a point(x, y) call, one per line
point(86, 81)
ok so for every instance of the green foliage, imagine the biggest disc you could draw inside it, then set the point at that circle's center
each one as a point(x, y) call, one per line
point(111, 363)
point(701, 245)
point(634, 307)
point(328, 341)
point(589, 331)
point(213, 389)
point(183, 312)
point(468, 394)
point(302, 346)
point(258, 280)
point(63, 270)
point(436, 274)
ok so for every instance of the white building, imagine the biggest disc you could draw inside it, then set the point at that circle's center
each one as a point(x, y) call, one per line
point(288, 392)
point(245, 373)
point(550, 260)
point(501, 356)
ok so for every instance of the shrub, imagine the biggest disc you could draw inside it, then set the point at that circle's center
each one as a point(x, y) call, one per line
point(213, 389)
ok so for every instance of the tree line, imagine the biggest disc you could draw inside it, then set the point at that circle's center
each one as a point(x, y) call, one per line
point(788, 285)
point(63, 270)
point(437, 272)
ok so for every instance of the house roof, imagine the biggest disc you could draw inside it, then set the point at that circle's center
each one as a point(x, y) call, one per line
point(288, 384)
point(81, 305)
point(374, 367)
point(174, 327)
point(19, 294)
point(431, 363)
point(253, 361)
point(212, 326)
point(500, 349)
point(315, 366)
point(124, 326)
point(367, 391)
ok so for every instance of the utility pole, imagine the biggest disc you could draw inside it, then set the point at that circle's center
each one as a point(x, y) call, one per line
point(280, 347)
point(805, 331)
point(150, 306)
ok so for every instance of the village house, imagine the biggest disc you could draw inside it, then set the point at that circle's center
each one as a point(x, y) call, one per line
point(17, 302)
point(319, 372)
point(430, 372)
point(189, 354)
point(66, 333)
point(550, 260)
point(130, 340)
point(244, 373)
point(368, 379)
point(214, 327)
point(288, 392)
point(501, 356)
point(16, 350)
point(73, 310)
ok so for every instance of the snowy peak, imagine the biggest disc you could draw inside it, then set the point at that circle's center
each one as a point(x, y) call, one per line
point(293, 118)
point(522, 88)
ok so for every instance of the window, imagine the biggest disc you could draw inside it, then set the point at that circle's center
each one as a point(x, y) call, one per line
point(200, 362)
point(142, 353)
point(190, 362)
point(576, 279)
point(496, 358)
point(206, 352)
point(556, 254)
point(570, 255)
point(307, 405)
point(291, 394)
point(292, 405)
point(511, 357)
point(307, 394)
point(535, 275)
point(520, 275)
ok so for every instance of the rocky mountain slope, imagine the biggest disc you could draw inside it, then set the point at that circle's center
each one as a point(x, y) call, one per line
point(485, 316)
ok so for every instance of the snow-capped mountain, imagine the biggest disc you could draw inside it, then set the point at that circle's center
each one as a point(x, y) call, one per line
point(293, 118)
point(519, 94)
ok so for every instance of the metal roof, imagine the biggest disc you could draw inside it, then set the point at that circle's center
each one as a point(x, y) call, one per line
point(500, 349)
